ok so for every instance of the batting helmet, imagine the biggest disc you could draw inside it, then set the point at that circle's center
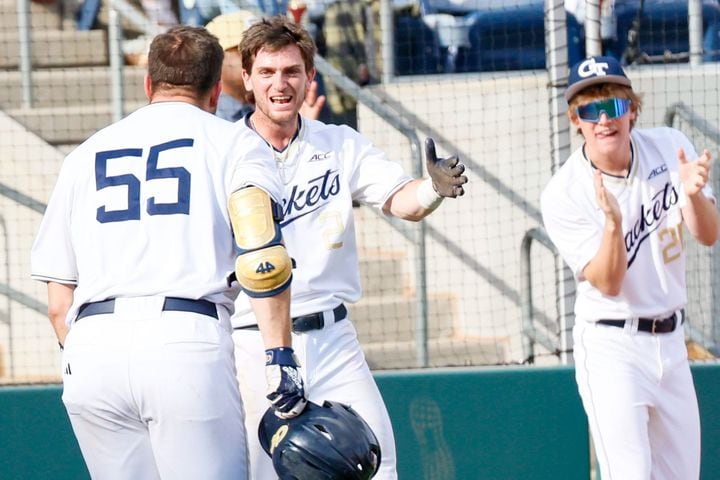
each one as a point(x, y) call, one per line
point(328, 442)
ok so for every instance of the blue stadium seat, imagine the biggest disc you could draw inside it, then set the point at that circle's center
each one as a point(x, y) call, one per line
point(663, 34)
point(510, 35)
point(416, 47)
point(506, 38)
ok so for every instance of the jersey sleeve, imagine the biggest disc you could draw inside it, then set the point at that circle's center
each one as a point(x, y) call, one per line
point(253, 164)
point(52, 257)
point(374, 177)
point(571, 230)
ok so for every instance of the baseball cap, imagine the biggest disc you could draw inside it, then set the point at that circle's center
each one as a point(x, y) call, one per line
point(592, 71)
point(228, 28)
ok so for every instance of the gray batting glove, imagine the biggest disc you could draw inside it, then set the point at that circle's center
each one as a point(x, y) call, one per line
point(286, 390)
point(446, 173)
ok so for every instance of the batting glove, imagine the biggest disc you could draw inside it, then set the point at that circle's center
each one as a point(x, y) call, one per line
point(285, 385)
point(446, 173)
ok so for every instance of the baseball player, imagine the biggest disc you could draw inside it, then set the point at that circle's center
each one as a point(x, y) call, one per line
point(324, 169)
point(235, 102)
point(616, 211)
point(136, 247)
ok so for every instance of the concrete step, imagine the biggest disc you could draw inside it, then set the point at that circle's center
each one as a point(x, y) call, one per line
point(442, 352)
point(68, 125)
point(383, 273)
point(378, 318)
point(42, 15)
point(56, 48)
point(62, 87)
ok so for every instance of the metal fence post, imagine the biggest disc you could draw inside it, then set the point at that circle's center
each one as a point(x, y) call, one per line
point(25, 51)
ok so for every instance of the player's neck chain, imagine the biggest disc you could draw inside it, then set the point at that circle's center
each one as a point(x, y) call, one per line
point(623, 177)
point(250, 123)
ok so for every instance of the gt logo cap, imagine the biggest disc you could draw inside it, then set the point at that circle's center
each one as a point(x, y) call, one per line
point(592, 71)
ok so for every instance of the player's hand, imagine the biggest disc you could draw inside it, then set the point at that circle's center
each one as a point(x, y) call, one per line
point(446, 173)
point(286, 390)
point(313, 104)
point(606, 200)
point(694, 175)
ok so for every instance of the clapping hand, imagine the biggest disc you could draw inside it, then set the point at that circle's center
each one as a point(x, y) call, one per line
point(694, 175)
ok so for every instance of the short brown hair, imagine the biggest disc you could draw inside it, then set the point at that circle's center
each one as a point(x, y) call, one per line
point(605, 90)
point(185, 57)
point(273, 34)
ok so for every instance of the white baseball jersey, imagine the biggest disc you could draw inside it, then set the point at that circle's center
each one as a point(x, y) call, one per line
point(636, 386)
point(139, 213)
point(324, 169)
point(163, 172)
point(650, 199)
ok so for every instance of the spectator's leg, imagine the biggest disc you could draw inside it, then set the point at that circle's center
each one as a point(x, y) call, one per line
point(711, 41)
point(190, 13)
point(345, 49)
point(87, 14)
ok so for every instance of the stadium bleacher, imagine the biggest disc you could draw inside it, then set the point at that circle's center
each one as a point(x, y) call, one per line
point(500, 35)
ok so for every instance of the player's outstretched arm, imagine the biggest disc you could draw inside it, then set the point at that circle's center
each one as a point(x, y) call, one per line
point(700, 213)
point(286, 390)
point(417, 199)
point(264, 270)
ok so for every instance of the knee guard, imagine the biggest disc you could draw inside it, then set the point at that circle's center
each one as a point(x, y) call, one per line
point(263, 267)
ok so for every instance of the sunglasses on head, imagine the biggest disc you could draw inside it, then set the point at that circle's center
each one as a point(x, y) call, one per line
point(612, 107)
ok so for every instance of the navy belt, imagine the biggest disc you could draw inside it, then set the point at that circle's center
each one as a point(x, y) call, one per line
point(306, 323)
point(651, 325)
point(171, 304)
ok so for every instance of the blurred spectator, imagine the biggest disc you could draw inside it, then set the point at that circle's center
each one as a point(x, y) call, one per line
point(190, 13)
point(341, 36)
point(157, 12)
point(209, 9)
point(608, 24)
point(234, 101)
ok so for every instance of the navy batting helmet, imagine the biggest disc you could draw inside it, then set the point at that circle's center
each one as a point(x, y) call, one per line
point(328, 442)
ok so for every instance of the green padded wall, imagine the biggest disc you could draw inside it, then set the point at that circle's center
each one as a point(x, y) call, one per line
point(36, 440)
point(509, 423)
point(497, 423)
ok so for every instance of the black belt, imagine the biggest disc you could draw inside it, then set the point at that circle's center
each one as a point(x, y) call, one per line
point(306, 323)
point(171, 304)
point(652, 325)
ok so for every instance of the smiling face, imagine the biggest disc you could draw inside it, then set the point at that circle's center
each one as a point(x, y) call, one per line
point(607, 141)
point(278, 80)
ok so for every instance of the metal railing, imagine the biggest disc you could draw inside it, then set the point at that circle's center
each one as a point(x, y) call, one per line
point(679, 109)
point(562, 346)
point(712, 133)
point(418, 238)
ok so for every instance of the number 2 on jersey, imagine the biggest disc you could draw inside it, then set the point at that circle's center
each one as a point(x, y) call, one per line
point(671, 249)
point(333, 229)
point(133, 184)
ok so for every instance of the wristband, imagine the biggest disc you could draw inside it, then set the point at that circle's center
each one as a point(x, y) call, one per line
point(427, 197)
point(281, 356)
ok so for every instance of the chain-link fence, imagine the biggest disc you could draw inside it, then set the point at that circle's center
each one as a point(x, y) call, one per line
point(483, 78)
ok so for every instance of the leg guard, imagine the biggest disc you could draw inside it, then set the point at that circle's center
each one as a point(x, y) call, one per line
point(263, 266)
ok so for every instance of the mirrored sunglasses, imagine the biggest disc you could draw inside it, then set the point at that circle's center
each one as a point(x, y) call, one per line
point(612, 107)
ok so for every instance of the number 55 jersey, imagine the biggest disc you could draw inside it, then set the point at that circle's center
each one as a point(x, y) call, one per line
point(150, 188)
